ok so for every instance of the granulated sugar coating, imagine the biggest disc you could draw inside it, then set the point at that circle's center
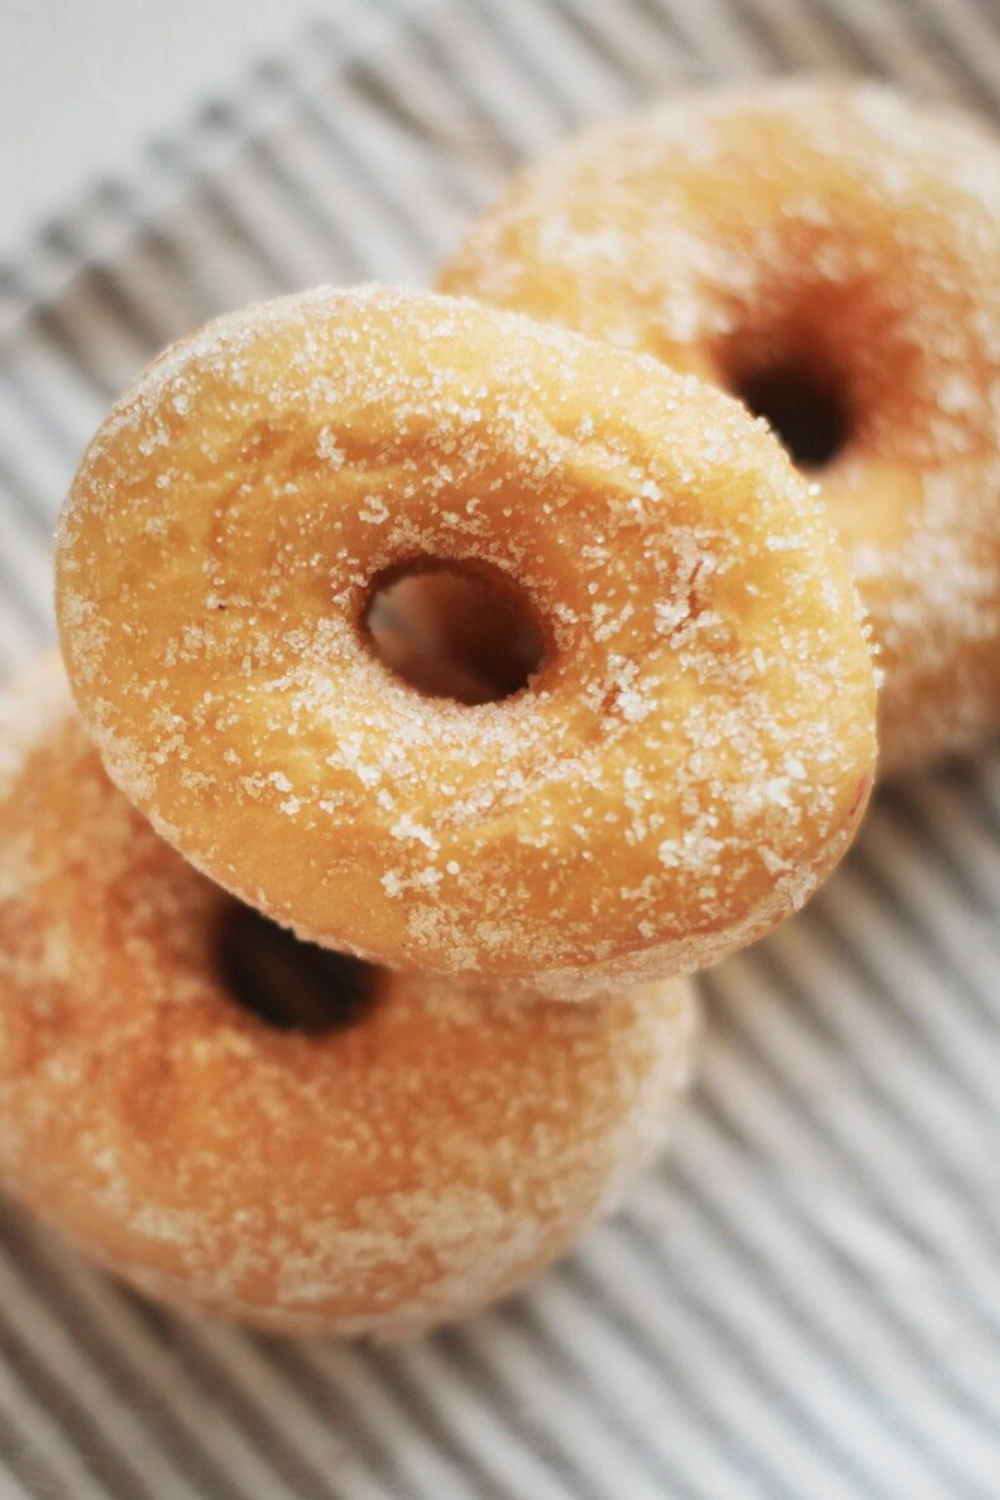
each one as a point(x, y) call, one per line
point(827, 239)
point(428, 1155)
point(690, 759)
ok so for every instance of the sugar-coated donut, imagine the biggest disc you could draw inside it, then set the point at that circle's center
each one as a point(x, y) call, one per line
point(433, 1150)
point(830, 252)
point(692, 755)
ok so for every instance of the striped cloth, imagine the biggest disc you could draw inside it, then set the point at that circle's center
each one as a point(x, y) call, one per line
point(803, 1302)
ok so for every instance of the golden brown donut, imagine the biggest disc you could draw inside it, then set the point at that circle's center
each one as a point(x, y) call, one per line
point(692, 755)
point(435, 1147)
point(830, 253)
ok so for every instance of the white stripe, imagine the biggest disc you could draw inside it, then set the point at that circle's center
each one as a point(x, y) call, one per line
point(324, 1444)
point(115, 353)
point(28, 562)
point(228, 271)
point(958, 825)
point(168, 1382)
point(19, 641)
point(717, 38)
point(740, 1405)
point(302, 257)
point(973, 38)
point(44, 1434)
point(387, 155)
point(369, 235)
point(238, 193)
point(964, 936)
point(82, 1376)
point(485, 1432)
point(891, 39)
point(170, 305)
point(834, 1400)
point(880, 1147)
point(806, 38)
point(42, 469)
point(452, 151)
point(964, 1039)
point(429, 1471)
point(655, 1406)
point(524, 118)
point(821, 1291)
point(528, 1387)
point(57, 384)
point(585, 80)
point(646, 58)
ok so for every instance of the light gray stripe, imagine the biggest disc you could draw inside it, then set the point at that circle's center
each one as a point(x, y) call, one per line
point(659, 13)
point(601, 1293)
point(939, 33)
point(877, 978)
point(348, 155)
point(309, 215)
point(966, 1397)
point(26, 1469)
point(406, 76)
point(49, 428)
point(124, 1375)
point(500, 22)
point(944, 952)
point(275, 275)
point(902, 1344)
point(23, 597)
point(641, 56)
point(914, 1151)
point(523, 1423)
point(334, 1403)
point(152, 246)
point(584, 1379)
point(416, 1397)
point(438, 57)
point(848, 39)
point(112, 1471)
point(659, 1398)
point(784, 1399)
point(54, 329)
point(143, 322)
point(26, 506)
point(212, 1383)
point(793, 1303)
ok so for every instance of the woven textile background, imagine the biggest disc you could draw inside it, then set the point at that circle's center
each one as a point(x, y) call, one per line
point(803, 1301)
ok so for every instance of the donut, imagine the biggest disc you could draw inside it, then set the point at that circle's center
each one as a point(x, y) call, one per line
point(691, 754)
point(827, 252)
point(250, 1128)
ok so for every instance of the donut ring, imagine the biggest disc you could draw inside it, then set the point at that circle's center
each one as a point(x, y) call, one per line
point(693, 754)
point(829, 252)
point(434, 1150)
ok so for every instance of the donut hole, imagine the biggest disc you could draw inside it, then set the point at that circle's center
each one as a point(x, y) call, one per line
point(454, 632)
point(805, 407)
point(290, 984)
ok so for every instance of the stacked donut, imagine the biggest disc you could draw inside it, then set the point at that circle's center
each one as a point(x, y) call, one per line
point(828, 252)
point(439, 685)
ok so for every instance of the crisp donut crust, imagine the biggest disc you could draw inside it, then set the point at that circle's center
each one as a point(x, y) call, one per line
point(690, 760)
point(840, 230)
point(375, 1179)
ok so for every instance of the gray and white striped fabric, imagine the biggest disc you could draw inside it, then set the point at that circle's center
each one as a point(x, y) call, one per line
point(803, 1302)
